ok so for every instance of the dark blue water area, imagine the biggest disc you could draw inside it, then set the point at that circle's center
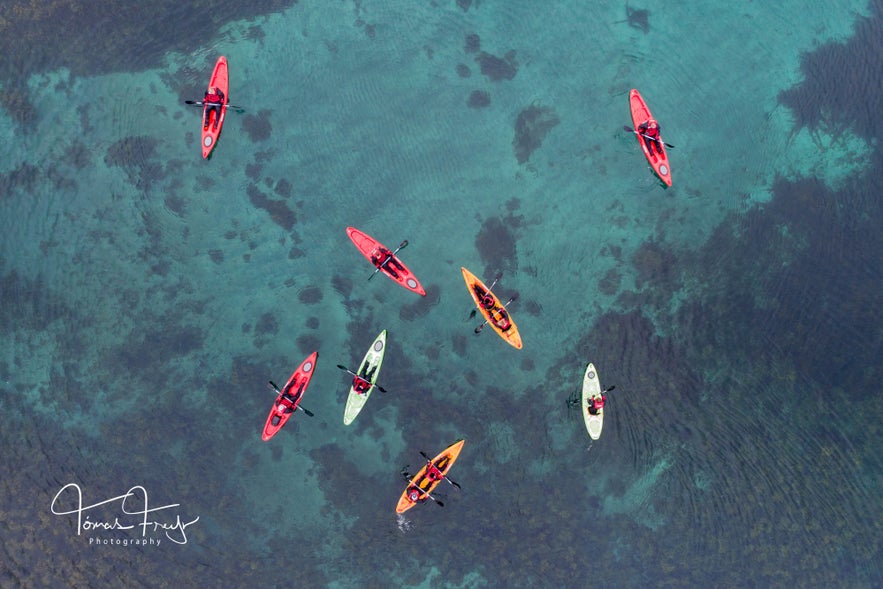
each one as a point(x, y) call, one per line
point(147, 296)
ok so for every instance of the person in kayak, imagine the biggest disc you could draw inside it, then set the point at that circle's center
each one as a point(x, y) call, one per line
point(382, 258)
point(433, 473)
point(650, 130)
point(214, 102)
point(597, 404)
point(362, 383)
point(415, 494)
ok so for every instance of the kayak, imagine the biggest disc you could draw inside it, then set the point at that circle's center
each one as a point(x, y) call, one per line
point(640, 115)
point(592, 389)
point(369, 369)
point(376, 253)
point(420, 485)
point(289, 397)
point(211, 133)
point(495, 313)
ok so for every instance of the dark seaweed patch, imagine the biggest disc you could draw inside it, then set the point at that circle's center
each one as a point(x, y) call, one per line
point(472, 43)
point(310, 295)
point(283, 188)
point(267, 325)
point(531, 128)
point(258, 127)
point(463, 70)
point(478, 99)
point(498, 68)
point(495, 243)
point(609, 283)
point(835, 74)
point(655, 265)
point(280, 213)
point(421, 306)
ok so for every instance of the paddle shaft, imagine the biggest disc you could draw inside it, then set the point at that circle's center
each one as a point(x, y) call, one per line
point(423, 492)
point(575, 402)
point(377, 386)
point(402, 245)
point(201, 103)
point(444, 476)
point(486, 321)
point(630, 130)
point(275, 388)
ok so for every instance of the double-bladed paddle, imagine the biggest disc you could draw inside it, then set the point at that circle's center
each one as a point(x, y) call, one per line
point(377, 386)
point(486, 321)
point(402, 245)
point(496, 278)
point(444, 476)
point(238, 109)
point(421, 491)
point(630, 130)
point(275, 388)
point(575, 402)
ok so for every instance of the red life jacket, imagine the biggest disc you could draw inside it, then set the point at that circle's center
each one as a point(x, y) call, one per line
point(213, 98)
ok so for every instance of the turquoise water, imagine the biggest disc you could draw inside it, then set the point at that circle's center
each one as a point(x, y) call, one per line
point(148, 295)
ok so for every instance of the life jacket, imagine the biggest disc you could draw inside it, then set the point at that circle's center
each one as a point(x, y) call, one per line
point(360, 384)
point(214, 98)
point(501, 318)
point(413, 494)
point(433, 473)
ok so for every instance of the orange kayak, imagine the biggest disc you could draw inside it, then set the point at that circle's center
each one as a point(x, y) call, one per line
point(658, 159)
point(422, 485)
point(494, 312)
point(211, 133)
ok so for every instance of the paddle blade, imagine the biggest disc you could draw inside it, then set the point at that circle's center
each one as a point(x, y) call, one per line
point(273, 386)
point(629, 129)
point(404, 244)
point(307, 411)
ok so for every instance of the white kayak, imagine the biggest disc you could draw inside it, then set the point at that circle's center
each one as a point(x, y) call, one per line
point(369, 370)
point(592, 389)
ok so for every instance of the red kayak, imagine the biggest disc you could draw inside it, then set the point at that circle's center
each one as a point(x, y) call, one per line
point(658, 158)
point(211, 133)
point(289, 397)
point(385, 260)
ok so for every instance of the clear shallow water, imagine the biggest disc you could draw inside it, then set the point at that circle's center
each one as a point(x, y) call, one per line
point(147, 297)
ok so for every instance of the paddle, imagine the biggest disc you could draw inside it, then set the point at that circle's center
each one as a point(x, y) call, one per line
point(429, 461)
point(421, 491)
point(275, 388)
point(630, 130)
point(496, 278)
point(486, 321)
point(402, 245)
point(578, 396)
point(238, 109)
point(377, 386)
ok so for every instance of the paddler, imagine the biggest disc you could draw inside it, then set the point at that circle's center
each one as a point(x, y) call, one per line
point(650, 130)
point(363, 383)
point(433, 473)
point(597, 403)
point(214, 101)
point(383, 258)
